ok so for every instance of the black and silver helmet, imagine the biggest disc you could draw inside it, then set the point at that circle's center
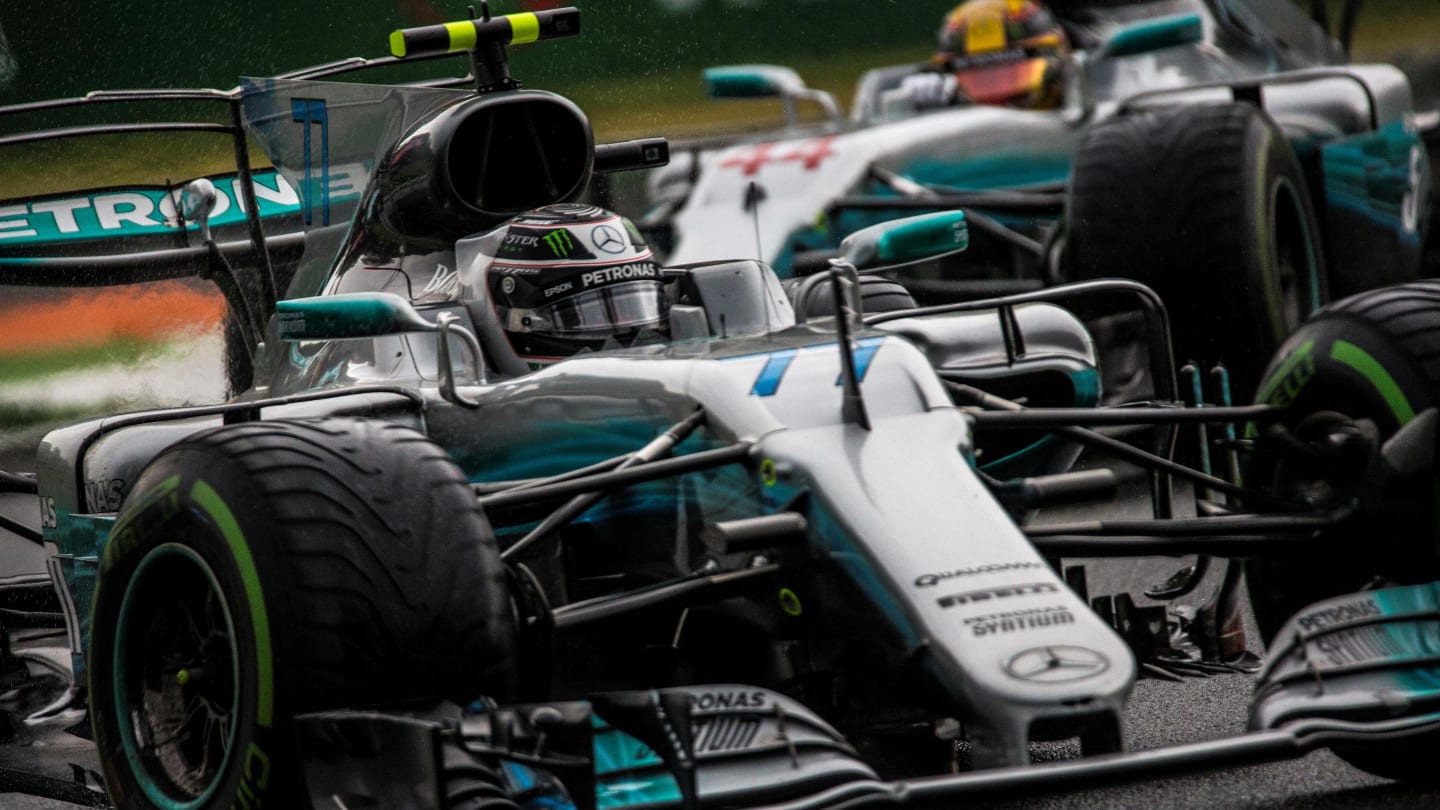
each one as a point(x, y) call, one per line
point(566, 278)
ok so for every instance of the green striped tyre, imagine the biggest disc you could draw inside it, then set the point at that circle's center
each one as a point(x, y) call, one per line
point(1373, 356)
point(266, 569)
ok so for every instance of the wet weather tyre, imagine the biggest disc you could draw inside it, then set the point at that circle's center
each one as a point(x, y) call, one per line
point(1208, 206)
point(877, 294)
point(1375, 356)
point(262, 570)
point(883, 295)
point(1372, 356)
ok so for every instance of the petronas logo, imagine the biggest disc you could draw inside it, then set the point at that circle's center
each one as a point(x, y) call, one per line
point(560, 242)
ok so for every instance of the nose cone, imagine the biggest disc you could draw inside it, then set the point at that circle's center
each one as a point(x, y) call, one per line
point(906, 518)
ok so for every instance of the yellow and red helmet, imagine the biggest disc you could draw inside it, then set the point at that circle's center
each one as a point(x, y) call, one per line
point(1008, 52)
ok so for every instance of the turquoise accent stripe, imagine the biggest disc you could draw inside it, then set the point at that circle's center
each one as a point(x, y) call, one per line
point(627, 772)
point(138, 211)
point(1027, 460)
point(775, 367)
point(1378, 176)
point(1416, 638)
point(848, 554)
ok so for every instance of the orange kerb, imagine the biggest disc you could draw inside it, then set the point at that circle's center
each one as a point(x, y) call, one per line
point(95, 317)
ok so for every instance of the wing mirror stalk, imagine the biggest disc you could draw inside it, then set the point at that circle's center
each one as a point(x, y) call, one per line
point(197, 203)
point(449, 324)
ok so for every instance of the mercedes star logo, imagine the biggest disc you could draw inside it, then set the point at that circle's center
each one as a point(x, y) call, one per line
point(607, 239)
point(1056, 664)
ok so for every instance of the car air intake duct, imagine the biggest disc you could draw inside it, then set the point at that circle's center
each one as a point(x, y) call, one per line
point(469, 168)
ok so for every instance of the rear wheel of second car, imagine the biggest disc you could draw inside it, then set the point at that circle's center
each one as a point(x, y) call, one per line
point(1208, 206)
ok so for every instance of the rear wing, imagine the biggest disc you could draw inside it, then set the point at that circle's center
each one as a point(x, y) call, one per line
point(123, 234)
point(256, 231)
point(322, 138)
point(47, 240)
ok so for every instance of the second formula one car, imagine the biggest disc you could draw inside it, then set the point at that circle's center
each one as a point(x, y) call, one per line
point(1215, 150)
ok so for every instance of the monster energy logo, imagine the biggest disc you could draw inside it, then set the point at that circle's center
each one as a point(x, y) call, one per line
point(559, 242)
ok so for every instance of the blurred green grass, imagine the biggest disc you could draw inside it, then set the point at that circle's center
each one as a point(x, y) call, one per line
point(1388, 27)
point(103, 161)
point(624, 106)
point(22, 367)
point(676, 106)
point(673, 105)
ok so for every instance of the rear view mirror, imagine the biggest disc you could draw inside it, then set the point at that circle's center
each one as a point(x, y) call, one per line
point(1153, 35)
point(352, 315)
point(374, 314)
point(905, 240)
point(767, 81)
point(752, 81)
point(197, 201)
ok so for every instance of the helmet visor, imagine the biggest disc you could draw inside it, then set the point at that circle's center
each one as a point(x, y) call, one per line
point(1003, 82)
point(612, 310)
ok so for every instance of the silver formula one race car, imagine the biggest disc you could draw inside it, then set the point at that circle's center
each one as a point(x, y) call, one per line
point(731, 555)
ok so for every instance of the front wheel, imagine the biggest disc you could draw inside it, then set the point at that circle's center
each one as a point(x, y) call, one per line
point(1371, 359)
point(1375, 357)
point(263, 570)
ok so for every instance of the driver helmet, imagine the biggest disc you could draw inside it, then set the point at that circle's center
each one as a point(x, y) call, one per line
point(569, 278)
point(1006, 52)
